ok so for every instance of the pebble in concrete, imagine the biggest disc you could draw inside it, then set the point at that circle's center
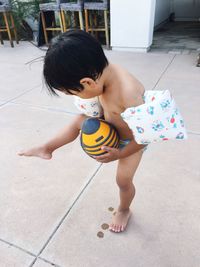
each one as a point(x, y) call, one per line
point(104, 226)
point(100, 234)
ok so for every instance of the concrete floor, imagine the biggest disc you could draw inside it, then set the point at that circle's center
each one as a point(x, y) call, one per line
point(51, 211)
point(180, 37)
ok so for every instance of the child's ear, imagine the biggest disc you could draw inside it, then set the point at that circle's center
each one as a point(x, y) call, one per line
point(87, 81)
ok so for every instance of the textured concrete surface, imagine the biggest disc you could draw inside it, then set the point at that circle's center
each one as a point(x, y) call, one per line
point(180, 37)
point(51, 211)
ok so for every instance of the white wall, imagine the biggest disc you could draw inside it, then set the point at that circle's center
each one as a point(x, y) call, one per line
point(162, 11)
point(186, 9)
point(132, 24)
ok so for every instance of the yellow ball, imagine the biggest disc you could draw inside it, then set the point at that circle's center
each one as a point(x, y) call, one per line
point(96, 133)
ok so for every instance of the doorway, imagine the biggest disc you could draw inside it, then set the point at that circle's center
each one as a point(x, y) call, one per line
point(177, 26)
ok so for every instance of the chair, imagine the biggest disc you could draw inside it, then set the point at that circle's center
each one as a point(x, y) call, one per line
point(198, 61)
point(96, 6)
point(50, 7)
point(73, 7)
point(6, 11)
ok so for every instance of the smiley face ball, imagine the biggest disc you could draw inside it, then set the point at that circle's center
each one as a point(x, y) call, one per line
point(96, 133)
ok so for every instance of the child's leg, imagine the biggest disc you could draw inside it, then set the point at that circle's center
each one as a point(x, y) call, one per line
point(67, 135)
point(125, 172)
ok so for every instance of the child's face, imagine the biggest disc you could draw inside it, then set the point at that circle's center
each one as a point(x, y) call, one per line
point(91, 88)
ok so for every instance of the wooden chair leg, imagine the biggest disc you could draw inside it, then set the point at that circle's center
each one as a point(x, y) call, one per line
point(95, 20)
point(96, 24)
point(1, 38)
point(86, 20)
point(90, 13)
point(106, 27)
point(8, 28)
point(64, 20)
point(81, 20)
point(75, 19)
point(61, 21)
point(44, 28)
point(14, 28)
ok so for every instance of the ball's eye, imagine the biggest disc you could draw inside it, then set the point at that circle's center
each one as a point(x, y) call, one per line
point(99, 138)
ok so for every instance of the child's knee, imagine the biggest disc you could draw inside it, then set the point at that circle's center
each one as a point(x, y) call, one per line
point(80, 119)
point(124, 183)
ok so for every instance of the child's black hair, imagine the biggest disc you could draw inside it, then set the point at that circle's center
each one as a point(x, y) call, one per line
point(72, 56)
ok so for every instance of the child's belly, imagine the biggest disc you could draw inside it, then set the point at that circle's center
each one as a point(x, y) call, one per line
point(121, 126)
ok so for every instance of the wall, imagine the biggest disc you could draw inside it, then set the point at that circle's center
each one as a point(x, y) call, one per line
point(132, 24)
point(162, 11)
point(186, 9)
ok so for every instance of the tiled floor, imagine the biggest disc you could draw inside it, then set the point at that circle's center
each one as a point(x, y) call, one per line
point(177, 37)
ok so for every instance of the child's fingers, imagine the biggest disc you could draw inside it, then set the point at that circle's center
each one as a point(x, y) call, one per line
point(106, 148)
point(100, 157)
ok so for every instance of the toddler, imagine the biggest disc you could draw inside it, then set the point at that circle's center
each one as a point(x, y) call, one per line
point(75, 65)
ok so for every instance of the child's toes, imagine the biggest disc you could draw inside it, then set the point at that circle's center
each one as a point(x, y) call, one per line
point(114, 228)
point(119, 228)
point(122, 228)
point(111, 226)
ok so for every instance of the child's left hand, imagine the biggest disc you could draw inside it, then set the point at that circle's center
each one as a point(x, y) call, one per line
point(111, 155)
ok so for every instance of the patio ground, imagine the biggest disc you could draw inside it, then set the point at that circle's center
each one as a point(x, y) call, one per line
point(51, 211)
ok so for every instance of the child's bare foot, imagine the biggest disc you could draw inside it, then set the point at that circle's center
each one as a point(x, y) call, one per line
point(120, 220)
point(40, 152)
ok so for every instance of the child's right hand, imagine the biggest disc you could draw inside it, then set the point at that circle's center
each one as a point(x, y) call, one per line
point(111, 155)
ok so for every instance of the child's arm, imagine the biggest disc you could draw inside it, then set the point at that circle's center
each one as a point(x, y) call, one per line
point(114, 153)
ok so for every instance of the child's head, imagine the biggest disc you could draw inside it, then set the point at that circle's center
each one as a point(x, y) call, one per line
point(72, 57)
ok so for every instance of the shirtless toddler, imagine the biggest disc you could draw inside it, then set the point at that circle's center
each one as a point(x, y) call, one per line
point(75, 64)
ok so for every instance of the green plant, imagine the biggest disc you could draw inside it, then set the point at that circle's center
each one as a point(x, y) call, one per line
point(23, 10)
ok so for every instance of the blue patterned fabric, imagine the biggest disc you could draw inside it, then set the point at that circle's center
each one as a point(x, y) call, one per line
point(5, 8)
point(71, 6)
point(5, 2)
point(50, 7)
point(98, 5)
point(75, 6)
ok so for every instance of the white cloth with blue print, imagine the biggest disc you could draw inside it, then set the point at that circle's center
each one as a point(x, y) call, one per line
point(90, 107)
point(158, 119)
